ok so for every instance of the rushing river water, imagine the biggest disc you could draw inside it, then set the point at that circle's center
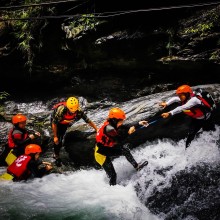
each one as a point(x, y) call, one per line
point(86, 194)
point(176, 184)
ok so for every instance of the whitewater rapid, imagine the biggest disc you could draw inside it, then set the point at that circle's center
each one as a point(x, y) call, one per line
point(86, 194)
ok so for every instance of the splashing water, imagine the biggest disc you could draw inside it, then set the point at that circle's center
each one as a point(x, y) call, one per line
point(81, 195)
point(86, 194)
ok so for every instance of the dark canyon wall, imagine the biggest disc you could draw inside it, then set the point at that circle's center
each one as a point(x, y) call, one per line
point(136, 49)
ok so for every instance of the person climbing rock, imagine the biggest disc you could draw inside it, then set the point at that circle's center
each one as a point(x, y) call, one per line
point(111, 141)
point(64, 115)
point(195, 106)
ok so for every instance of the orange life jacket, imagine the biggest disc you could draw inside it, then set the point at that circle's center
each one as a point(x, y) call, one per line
point(19, 166)
point(11, 142)
point(199, 110)
point(67, 117)
point(102, 138)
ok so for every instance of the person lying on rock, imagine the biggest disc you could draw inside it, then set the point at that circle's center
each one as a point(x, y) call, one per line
point(110, 142)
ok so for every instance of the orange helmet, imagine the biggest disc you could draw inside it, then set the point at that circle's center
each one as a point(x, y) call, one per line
point(117, 113)
point(32, 149)
point(184, 89)
point(18, 118)
point(72, 104)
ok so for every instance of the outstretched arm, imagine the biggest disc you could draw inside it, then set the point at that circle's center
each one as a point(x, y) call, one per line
point(93, 125)
point(169, 102)
point(87, 120)
point(186, 107)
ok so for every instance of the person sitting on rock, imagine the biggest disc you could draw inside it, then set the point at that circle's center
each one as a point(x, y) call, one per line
point(64, 115)
point(19, 137)
point(28, 165)
point(110, 140)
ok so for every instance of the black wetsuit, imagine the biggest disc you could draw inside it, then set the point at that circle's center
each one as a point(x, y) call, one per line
point(119, 135)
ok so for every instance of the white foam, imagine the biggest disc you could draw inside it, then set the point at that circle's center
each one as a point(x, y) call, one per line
point(86, 193)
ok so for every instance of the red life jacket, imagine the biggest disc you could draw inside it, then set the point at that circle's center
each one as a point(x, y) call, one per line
point(102, 138)
point(67, 117)
point(11, 142)
point(199, 110)
point(19, 166)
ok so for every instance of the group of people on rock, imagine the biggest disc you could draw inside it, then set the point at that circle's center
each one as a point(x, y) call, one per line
point(22, 155)
point(111, 137)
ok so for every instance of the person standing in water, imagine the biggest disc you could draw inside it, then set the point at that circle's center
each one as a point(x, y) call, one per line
point(110, 140)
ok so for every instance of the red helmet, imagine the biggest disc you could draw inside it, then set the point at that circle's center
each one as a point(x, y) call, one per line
point(184, 89)
point(117, 113)
point(18, 118)
point(32, 149)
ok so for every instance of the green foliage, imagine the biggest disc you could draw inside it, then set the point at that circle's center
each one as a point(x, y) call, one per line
point(201, 29)
point(81, 24)
point(215, 56)
point(3, 95)
point(205, 23)
point(27, 31)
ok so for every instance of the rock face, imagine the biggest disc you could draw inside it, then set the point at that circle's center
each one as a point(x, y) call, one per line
point(80, 138)
point(170, 50)
point(80, 141)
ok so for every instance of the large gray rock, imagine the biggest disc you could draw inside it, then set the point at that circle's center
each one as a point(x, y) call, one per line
point(80, 139)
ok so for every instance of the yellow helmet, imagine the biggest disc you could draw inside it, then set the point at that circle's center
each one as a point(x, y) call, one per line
point(117, 113)
point(72, 104)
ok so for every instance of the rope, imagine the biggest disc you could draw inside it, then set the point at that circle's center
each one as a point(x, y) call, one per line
point(36, 4)
point(111, 14)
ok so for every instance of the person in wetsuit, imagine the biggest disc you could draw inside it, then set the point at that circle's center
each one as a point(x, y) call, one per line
point(28, 165)
point(63, 116)
point(19, 137)
point(194, 106)
point(111, 141)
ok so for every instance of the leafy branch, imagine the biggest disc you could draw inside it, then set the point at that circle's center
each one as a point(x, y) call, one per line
point(80, 25)
point(26, 32)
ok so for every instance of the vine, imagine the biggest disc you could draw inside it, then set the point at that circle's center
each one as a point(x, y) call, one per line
point(26, 32)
